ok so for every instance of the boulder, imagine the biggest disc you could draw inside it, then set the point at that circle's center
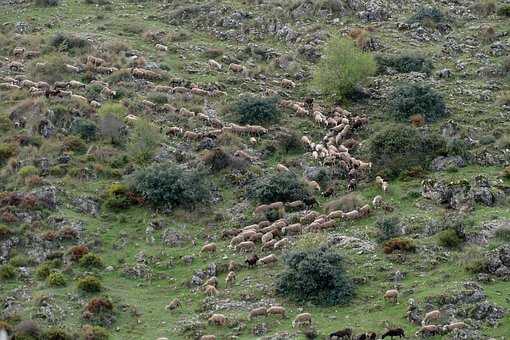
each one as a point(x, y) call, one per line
point(445, 163)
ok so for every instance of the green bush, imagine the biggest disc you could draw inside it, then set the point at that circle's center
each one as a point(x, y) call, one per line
point(44, 269)
point(425, 15)
point(144, 141)
point(405, 63)
point(388, 227)
point(504, 11)
point(28, 170)
point(279, 187)
point(343, 67)
point(74, 143)
point(397, 148)
point(94, 333)
point(316, 276)
point(68, 42)
point(400, 244)
point(6, 151)
point(55, 333)
point(117, 197)
point(256, 110)
point(91, 260)
point(450, 238)
point(503, 234)
point(50, 68)
point(84, 128)
point(167, 184)
point(56, 279)
point(7, 272)
point(409, 100)
point(5, 123)
point(89, 284)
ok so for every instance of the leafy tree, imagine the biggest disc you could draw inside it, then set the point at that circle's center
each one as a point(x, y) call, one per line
point(415, 99)
point(255, 110)
point(279, 187)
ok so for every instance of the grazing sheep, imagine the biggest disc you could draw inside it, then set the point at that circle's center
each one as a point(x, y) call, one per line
point(276, 310)
point(268, 259)
point(293, 229)
point(377, 202)
point(217, 319)
point(267, 237)
point(190, 135)
point(162, 48)
point(391, 295)
point(211, 290)
point(367, 336)
point(76, 84)
point(336, 214)
point(232, 266)
point(246, 246)
point(379, 180)
point(252, 260)
point(453, 326)
point(79, 98)
point(230, 279)
point(269, 244)
point(175, 303)
point(385, 187)
point(253, 141)
point(302, 319)
point(351, 215)
point(208, 337)
point(208, 248)
point(72, 68)
point(95, 61)
point(199, 92)
point(282, 168)
point(261, 311)
point(214, 65)
point(345, 333)
point(18, 52)
point(284, 242)
point(15, 66)
point(288, 84)
point(314, 185)
point(236, 68)
point(394, 332)
point(429, 330)
point(212, 281)
point(434, 315)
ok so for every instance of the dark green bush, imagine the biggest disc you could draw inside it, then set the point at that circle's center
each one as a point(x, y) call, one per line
point(504, 11)
point(167, 184)
point(256, 110)
point(7, 272)
point(117, 197)
point(68, 42)
point(409, 100)
point(89, 284)
point(56, 279)
point(5, 122)
point(405, 63)
point(397, 148)
point(450, 238)
point(425, 15)
point(316, 276)
point(400, 244)
point(279, 187)
point(55, 333)
point(44, 269)
point(91, 260)
point(6, 151)
point(503, 234)
point(84, 128)
point(47, 3)
point(217, 159)
point(388, 227)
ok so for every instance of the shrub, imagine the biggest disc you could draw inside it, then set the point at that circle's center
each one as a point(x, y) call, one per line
point(89, 284)
point(99, 311)
point(77, 252)
point(503, 233)
point(217, 159)
point(47, 3)
point(473, 260)
point(90, 260)
point(400, 244)
point(316, 276)
point(485, 7)
point(6, 151)
point(167, 184)
point(51, 70)
point(94, 333)
point(44, 269)
point(27, 329)
point(388, 227)
point(396, 148)
point(56, 279)
point(28, 170)
point(55, 333)
point(68, 42)
point(20, 261)
point(450, 238)
point(256, 110)
point(7, 272)
point(73, 143)
point(117, 197)
point(84, 128)
point(158, 98)
point(426, 15)
point(342, 68)
point(279, 187)
point(405, 63)
point(504, 11)
point(5, 123)
point(144, 141)
point(408, 100)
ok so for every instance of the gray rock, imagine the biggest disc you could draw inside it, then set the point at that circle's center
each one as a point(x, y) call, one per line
point(86, 205)
point(444, 163)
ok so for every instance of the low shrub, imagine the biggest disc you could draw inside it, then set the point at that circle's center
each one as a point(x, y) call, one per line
point(485, 7)
point(91, 260)
point(77, 252)
point(388, 227)
point(118, 197)
point(144, 141)
point(99, 311)
point(473, 260)
point(279, 187)
point(409, 100)
point(342, 68)
point(84, 128)
point(44, 269)
point(405, 63)
point(168, 184)
point(217, 159)
point(6, 151)
point(68, 42)
point(55, 333)
point(28, 170)
point(7, 272)
point(89, 284)
point(5, 123)
point(400, 244)
point(256, 110)
point(56, 279)
point(94, 333)
point(316, 276)
point(50, 68)
point(450, 238)
point(427, 16)
point(504, 11)
point(73, 143)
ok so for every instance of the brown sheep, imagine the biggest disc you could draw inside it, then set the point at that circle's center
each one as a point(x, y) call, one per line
point(212, 281)
point(284, 242)
point(269, 244)
point(208, 337)
point(18, 52)
point(95, 61)
point(453, 326)
point(391, 295)
point(288, 84)
point(218, 320)
point(276, 310)
point(246, 246)
point(429, 330)
point(236, 68)
point(232, 266)
point(208, 248)
point(268, 259)
point(214, 65)
point(302, 319)
point(267, 237)
point(230, 279)
point(211, 290)
point(261, 311)
point(434, 315)
point(293, 229)
point(175, 303)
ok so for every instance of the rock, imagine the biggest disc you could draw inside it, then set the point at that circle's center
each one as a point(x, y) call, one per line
point(86, 205)
point(456, 195)
point(445, 163)
point(207, 144)
point(47, 196)
point(188, 259)
point(172, 238)
point(259, 329)
point(444, 73)
point(487, 311)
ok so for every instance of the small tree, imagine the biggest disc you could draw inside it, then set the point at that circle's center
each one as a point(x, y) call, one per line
point(409, 100)
point(255, 110)
point(342, 67)
point(279, 187)
point(84, 128)
point(316, 276)
point(144, 141)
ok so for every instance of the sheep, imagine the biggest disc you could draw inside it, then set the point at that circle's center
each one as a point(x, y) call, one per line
point(276, 310)
point(9, 86)
point(18, 52)
point(212, 281)
point(144, 74)
point(108, 93)
point(162, 48)
point(364, 210)
point(208, 337)
point(261, 311)
point(379, 180)
point(79, 98)
point(453, 326)
point(282, 168)
point(284, 242)
point(94, 61)
point(276, 205)
point(199, 92)
point(267, 237)
point(377, 202)
point(214, 65)
point(268, 259)
point(211, 290)
point(15, 66)
point(185, 112)
point(385, 187)
point(295, 205)
point(76, 84)
point(345, 333)
point(394, 332)
point(351, 215)
point(431, 316)
point(302, 319)
point(252, 260)
point(242, 154)
point(208, 248)
point(245, 246)
point(313, 185)
point(190, 135)
point(230, 279)
point(162, 88)
point(72, 68)
point(106, 70)
point(391, 295)
point(428, 330)
point(236, 68)
point(175, 303)
point(217, 319)
point(293, 229)
point(253, 141)
point(367, 336)
point(288, 84)
point(336, 214)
